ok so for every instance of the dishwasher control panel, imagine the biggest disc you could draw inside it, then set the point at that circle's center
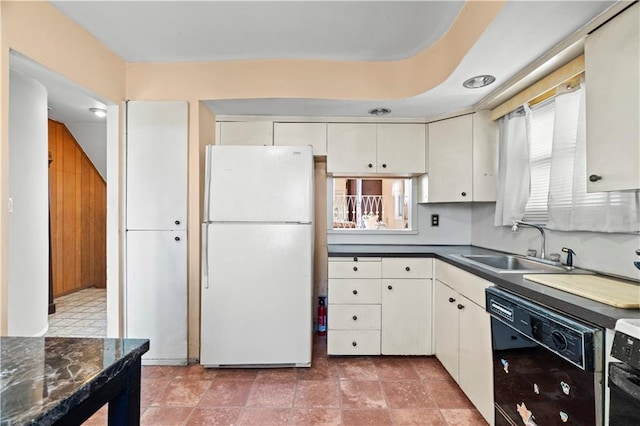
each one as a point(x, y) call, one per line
point(564, 336)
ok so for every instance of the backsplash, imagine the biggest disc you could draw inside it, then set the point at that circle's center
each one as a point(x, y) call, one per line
point(603, 252)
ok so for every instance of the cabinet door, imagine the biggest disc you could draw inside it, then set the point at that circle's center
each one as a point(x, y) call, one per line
point(401, 149)
point(476, 366)
point(246, 133)
point(156, 294)
point(485, 157)
point(157, 165)
point(351, 148)
point(446, 319)
point(450, 160)
point(612, 85)
point(406, 317)
point(296, 134)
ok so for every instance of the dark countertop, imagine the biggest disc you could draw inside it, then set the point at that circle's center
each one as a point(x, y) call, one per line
point(581, 308)
point(43, 378)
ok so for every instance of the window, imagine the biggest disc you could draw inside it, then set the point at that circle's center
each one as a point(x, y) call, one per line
point(541, 120)
point(371, 203)
point(543, 172)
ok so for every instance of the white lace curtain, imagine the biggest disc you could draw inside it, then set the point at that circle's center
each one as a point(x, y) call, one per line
point(570, 207)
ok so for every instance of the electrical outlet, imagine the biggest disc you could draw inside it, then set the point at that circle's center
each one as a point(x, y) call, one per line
point(435, 220)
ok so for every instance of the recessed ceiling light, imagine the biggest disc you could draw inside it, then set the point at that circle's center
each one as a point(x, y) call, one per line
point(479, 81)
point(379, 111)
point(99, 112)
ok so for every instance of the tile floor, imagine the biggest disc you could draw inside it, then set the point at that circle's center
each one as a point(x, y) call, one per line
point(80, 314)
point(334, 391)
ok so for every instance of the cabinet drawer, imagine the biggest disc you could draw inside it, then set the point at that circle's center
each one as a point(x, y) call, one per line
point(347, 342)
point(465, 283)
point(354, 291)
point(354, 269)
point(404, 267)
point(353, 317)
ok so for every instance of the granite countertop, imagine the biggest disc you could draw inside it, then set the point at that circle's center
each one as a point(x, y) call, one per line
point(581, 308)
point(42, 378)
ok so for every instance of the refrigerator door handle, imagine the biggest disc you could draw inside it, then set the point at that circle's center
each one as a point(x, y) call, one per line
point(205, 257)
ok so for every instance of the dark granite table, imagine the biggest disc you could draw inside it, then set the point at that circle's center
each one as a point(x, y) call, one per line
point(63, 381)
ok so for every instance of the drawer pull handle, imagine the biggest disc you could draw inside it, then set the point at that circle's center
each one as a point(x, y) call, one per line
point(177, 238)
point(594, 178)
point(355, 318)
point(461, 307)
point(355, 259)
point(355, 268)
point(370, 165)
point(384, 166)
point(464, 194)
point(355, 291)
point(390, 287)
point(354, 344)
point(451, 300)
point(177, 222)
point(407, 269)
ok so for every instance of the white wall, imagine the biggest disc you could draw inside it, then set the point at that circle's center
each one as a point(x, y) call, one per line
point(92, 138)
point(610, 253)
point(455, 228)
point(28, 251)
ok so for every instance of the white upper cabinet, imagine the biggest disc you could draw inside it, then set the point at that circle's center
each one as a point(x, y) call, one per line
point(156, 165)
point(351, 148)
point(357, 149)
point(296, 134)
point(451, 160)
point(612, 84)
point(245, 133)
point(462, 160)
point(401, 148)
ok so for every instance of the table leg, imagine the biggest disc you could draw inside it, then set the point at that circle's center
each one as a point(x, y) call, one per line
point(124, 408)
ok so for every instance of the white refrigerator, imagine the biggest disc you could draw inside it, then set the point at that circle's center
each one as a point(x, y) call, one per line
point(257, 267)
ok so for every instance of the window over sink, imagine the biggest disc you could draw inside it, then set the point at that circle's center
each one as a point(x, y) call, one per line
point(372, 204)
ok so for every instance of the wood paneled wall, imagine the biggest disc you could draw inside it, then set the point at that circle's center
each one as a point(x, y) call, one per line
point(78, 215)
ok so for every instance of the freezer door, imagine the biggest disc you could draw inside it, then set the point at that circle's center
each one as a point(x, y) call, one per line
point(260, 184)
point(256, 304)
point(156, 294)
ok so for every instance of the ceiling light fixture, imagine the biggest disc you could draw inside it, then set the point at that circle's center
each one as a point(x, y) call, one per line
point(479, 81)
point(379, 111)
point(99, 112)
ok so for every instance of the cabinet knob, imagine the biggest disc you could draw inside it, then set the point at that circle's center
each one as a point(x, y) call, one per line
point(355, 259)
point(355, 291)
point(451, 300)
point(370, 165)
point(355, 268)
point(407, 269)
point(461, 307)
point(177, 238)
point(354, 344)
point(177, 222)
point(594, 178)
point(390, 287)
point(384, 166)
point(355, 318)
point(464, 194)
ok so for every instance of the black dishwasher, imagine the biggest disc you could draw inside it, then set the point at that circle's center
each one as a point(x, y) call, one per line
point(547, 368)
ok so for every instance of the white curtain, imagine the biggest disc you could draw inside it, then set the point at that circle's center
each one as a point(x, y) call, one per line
point(513, 171)
point(571, 208)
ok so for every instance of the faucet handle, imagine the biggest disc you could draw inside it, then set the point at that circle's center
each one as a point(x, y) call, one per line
point(532, 252)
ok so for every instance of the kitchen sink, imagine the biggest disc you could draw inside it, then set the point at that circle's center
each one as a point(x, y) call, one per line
point(507, 263)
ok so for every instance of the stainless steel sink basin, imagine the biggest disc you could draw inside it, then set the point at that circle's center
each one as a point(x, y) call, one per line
point(505, 263)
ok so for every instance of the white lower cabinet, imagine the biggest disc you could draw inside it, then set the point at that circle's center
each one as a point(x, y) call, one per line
point(463, 334)
point(406, 317)
point(379, 305)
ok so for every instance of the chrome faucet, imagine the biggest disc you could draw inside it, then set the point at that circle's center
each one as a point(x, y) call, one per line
point(514, 228)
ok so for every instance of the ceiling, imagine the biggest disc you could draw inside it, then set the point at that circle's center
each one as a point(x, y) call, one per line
point(195, 31)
